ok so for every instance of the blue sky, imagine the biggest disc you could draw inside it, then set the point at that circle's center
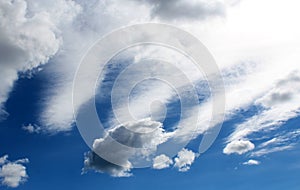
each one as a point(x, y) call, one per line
point(56, 160)
point(154, 102)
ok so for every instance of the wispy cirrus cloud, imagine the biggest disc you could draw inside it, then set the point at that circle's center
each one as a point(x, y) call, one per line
point(280, 104)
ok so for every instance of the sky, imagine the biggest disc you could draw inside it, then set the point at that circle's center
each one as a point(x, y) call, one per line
point(159, 111)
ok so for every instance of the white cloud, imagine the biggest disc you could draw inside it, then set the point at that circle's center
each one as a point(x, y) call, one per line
point(283, 138)
point(280, 104)
point(22, 47)
point(115, 159)
point(94, 162)
point(283, 93)
point(238, 147)
point(32, 128)
point(3, 159)
point(184, 160)
point(57, 114)
point(243, 41)
point(12, 174)
point(227, 49)
point(252, 55)
point(265, 151)
point(162, 161)
point(274, 140)
point(245, 62)
point(251, 162)
point(186, 9)
point(281, 142)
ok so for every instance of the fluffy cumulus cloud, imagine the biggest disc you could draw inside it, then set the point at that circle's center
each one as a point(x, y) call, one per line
point(12, 174)
point(184, 160)
point(162, 161)
point(22, 47)
point(136, 142)
point(239, 147)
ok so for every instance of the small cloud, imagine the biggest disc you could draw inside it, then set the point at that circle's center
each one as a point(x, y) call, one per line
point(3, 114)
point(3, 159)
point(238, 147)
point(184, 160)
point(32, 128)
point(251, 162)
point(162, 161)
point(12, 174)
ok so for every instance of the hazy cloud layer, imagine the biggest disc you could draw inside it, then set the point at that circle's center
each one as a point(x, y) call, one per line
point(188, 10)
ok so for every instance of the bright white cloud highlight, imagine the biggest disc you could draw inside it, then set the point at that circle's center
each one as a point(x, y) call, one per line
point(251, 162)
